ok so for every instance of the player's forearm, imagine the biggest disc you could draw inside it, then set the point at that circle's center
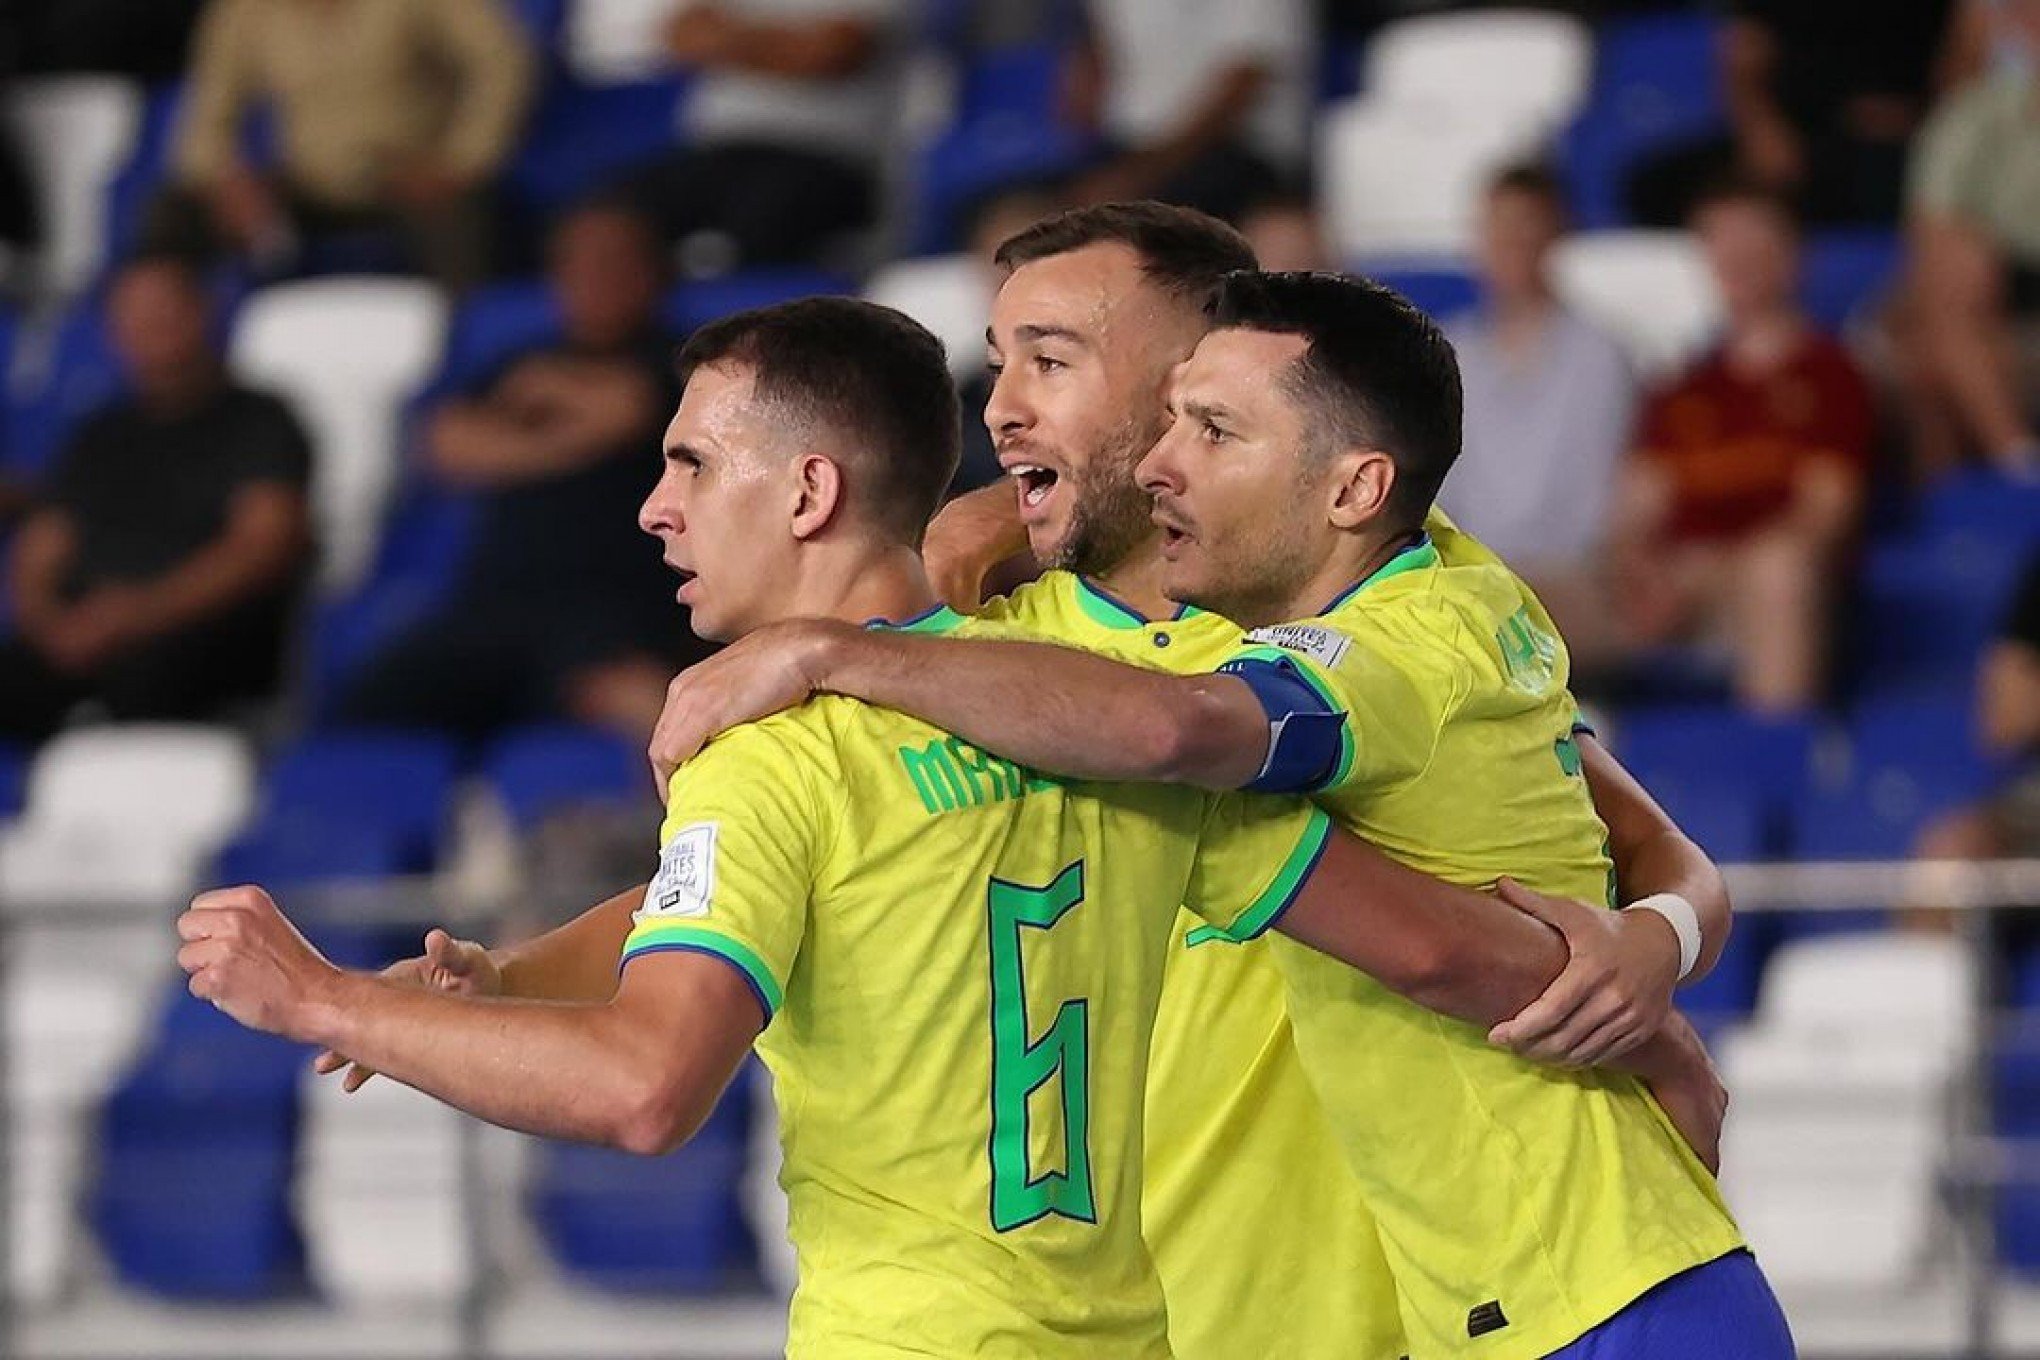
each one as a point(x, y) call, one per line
point(1056, 709)
point(545, 1068)
point(1652, 854)
point(576, 961)
point(1449, 949)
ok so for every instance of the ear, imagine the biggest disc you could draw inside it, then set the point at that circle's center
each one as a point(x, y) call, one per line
point(819, 492)
point(1362, 481)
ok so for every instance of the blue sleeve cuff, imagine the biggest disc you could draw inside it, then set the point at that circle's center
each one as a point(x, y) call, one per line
point(1306, 735)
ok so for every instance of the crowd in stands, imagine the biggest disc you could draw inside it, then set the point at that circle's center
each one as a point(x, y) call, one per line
point(1708, 527)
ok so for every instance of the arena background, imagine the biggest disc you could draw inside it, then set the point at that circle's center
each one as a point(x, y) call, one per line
point(173, 1187)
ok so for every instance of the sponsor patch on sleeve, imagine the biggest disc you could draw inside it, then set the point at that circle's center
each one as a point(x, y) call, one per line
point(1321, 645)
point(686, 878)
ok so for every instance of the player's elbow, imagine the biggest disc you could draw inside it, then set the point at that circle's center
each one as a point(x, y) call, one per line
point(1193, 737)
point(654, 1117)
point(1435, 972)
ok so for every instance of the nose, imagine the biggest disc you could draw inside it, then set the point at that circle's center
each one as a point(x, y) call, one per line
point(1007, 412)
point(659, 516)
point(1159, 472)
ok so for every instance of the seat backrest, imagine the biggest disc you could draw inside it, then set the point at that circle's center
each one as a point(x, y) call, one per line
point(1650, 289)
point(1904, 982)
point(158, 783)
point(610, 40)
point(77, 133)
point(1404, 181)
point(1536, 66)
point(949, 294)
point(346, 353)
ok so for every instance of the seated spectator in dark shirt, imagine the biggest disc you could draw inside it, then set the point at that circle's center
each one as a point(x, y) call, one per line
point(157, 574)
point(561, 610)
point(1745, 493)
point(1823, 98)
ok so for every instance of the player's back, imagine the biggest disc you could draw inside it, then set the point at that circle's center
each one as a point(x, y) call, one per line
point(963, 961)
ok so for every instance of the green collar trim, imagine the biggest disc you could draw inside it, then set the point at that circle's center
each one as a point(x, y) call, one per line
point(935, 619)
point(1104, 608)
point(1417, 556)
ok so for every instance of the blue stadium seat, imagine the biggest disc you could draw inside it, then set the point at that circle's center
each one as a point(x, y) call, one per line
point(1727, 822)
point(74, 376)
point(633, 1224)
point(1844, 270)
point(493, 325)
point(1930, 737)
point(2015, 1113)
point(1685, 755)
point(146, 171)
point(1441, 293)
point(1927, 604)
point(193, 1198)
point(362, 804)
point(13, 779)
point(541, 19)
point(689, 306)
point(1655, 85)
point(424, 542)
point(582, 137)
point(1986, 509)
point(538, 771)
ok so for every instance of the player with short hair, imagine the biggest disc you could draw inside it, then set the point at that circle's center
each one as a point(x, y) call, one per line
point(950, 963)
point(1422, 698)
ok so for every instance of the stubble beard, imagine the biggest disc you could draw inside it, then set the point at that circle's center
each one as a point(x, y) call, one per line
point(1111, 515)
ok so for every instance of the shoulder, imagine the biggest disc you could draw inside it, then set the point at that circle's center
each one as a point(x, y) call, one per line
point(1035, 604)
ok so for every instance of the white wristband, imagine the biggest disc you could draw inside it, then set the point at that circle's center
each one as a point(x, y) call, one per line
point(1684, 921)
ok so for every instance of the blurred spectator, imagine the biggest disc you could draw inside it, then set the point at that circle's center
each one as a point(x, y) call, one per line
point(782, 127)
point(1550, 402)
point(1286, 232)
point(2008, 711)
point(1203, 102)
point(1823, 98)
point(562, 609)
point(158, 572)
point(1744, 496)
point(1974, 221)
point(389, 113)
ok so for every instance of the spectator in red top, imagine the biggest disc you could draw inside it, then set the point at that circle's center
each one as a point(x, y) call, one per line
point(1745, 492)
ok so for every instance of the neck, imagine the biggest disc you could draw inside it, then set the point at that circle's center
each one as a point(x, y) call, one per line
point(1355, 558)
point(862, 581)
point(1761, 338)
point(1523, 309)
point(178, 392)
point(1137, 579)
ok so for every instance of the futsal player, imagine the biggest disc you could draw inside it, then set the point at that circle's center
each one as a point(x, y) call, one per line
point(913, 933)
point(1525, 1212)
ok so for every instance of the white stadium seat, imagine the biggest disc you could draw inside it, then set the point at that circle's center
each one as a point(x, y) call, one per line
point(347, 353)
point(949, 294)
point(76, 134)
point(617, 40)
point(1650, 289)
point(125, 814)
point(1404, 182)
point(1524, 65)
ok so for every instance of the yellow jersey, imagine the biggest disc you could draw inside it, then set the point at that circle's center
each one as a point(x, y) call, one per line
point(1263, 1241)
point(960, 962)
point(1520, 1206)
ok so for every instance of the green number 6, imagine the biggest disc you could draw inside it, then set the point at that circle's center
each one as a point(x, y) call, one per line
point(1020, 1068)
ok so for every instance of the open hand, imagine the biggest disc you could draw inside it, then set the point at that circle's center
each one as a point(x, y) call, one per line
point(1616, 989)
point(460, 967)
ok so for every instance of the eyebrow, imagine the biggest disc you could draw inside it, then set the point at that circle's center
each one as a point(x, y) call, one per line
point(1204, 410)
point(1030, 332)
point(681, 448)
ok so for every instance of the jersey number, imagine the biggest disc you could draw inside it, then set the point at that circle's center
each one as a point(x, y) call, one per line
point(1020, 1068)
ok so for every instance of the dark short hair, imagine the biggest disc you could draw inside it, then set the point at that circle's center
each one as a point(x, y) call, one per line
point(1737, 189)
point(1185, 251)
point(872, 376)
point(1377, 372)
point(1534, 178)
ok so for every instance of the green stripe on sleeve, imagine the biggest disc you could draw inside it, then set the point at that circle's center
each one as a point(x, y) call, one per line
point(1264, 910)
point(657, 937)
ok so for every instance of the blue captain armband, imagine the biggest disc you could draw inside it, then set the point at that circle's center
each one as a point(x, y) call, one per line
point(1307, 735)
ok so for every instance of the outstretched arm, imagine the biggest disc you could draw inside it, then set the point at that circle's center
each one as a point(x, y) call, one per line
point(640, 1071)
point(1050, 708)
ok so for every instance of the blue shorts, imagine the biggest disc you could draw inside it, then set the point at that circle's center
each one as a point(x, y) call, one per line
point(1724, 1310)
